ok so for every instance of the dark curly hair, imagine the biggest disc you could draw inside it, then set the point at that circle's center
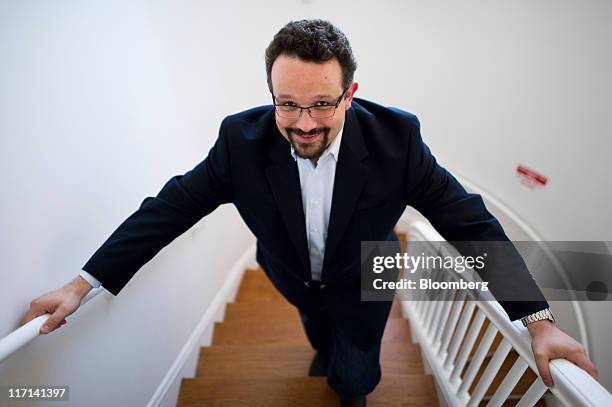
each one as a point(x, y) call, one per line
point(313, 41)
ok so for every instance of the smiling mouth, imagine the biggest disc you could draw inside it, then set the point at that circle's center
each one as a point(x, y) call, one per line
point(309, 135)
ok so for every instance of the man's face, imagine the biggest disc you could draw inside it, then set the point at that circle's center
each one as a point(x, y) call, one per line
point(303, 83)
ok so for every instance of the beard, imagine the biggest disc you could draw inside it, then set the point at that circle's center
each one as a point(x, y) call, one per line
point(311, 150)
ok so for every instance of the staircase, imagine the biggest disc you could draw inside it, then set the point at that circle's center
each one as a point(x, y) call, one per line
point(260, 357)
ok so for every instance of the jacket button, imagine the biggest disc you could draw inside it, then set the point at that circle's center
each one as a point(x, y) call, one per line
point(306, 283)
point(322, 285)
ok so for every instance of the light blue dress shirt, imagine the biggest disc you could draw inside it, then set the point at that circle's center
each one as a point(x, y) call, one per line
point(317, 185)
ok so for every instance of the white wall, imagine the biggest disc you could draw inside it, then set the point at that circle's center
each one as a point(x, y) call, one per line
point(100, 105)
point(102, 102)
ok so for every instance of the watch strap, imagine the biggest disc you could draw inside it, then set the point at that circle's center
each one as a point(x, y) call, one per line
point(538, 316)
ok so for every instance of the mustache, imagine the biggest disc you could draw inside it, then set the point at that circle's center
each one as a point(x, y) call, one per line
point(299, 132)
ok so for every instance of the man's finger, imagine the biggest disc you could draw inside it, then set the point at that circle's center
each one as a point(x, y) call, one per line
point(543, 368)
point(583, 362)
point(35, 310)
point(53, 321)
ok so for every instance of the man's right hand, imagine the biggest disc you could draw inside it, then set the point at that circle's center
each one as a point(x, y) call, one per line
point(59, 303)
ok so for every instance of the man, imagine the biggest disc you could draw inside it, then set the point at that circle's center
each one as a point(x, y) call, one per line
point(313, 176)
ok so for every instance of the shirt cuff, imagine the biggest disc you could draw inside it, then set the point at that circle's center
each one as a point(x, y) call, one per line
point(90, 279)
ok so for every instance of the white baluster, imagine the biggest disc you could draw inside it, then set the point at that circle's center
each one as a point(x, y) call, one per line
point(478, 358)
point(452, 322)
point(533, 394)
point(448, 303)
point(461, 328)
point(432, 325)
point(489, 374)
point(467, 345)
point(506, 386)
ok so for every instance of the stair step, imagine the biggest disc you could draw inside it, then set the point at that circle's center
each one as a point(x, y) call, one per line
point(255, 361)
point(256, 286)
point(263, 311)
point(259, 295)
point(263, 392)
point(409, 390)
point(397, 330)
point(401, 358)
point(251, 332)
point(255, 276)
point(287, 360)
point(276, 311)
point(400, 391)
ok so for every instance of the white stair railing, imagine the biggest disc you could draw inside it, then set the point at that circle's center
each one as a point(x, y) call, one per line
point(447, 331)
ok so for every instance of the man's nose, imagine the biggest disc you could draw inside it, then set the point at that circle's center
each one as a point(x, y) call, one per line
point(305, 122)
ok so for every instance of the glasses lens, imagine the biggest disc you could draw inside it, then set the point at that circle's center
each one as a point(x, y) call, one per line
point(288, 112)
point(317, 112)
point(321, 112)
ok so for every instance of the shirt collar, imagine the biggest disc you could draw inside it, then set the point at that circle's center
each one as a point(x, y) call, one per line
point(333, 149)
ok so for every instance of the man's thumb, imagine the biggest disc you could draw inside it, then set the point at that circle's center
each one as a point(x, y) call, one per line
point(53, 321)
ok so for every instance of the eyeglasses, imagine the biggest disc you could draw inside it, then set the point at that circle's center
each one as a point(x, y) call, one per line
point(320, 110)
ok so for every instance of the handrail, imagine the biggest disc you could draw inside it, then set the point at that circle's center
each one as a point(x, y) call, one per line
point(572, 385)
point(534, 236)
point(28, 332)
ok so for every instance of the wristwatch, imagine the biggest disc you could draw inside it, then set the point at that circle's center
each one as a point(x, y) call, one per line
point(538, 316)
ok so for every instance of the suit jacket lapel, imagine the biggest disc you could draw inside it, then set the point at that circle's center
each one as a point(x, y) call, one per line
point(284, 180)
point(351, 176)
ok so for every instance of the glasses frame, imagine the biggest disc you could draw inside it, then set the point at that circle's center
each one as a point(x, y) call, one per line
point(307, 108)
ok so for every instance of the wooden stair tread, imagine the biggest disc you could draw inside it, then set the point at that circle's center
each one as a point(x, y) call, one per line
point(285, 360)
point(256, 279)
point(249, 332)
point(254, 276)
point(409, 390)
point(256, 286)
point(263, 311)
point(266, 392)
point(276, 310)
point(259, 360)
point(400, 358)
point(412, 390)
point(252, 293)
point(397, 330)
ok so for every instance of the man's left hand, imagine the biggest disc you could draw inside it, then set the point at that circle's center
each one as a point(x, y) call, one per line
point(549, 342)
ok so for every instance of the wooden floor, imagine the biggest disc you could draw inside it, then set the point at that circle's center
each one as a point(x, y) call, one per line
point(260, 357)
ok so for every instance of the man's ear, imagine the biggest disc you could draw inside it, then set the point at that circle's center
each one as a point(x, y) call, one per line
point(349, 94)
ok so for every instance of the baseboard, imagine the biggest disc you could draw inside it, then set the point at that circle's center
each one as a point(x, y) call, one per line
point(172, 380)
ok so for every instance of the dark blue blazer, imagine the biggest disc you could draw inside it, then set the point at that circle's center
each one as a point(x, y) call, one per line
point(383, 166)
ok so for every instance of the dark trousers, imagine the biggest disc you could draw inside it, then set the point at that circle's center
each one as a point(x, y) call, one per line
point(351, 371)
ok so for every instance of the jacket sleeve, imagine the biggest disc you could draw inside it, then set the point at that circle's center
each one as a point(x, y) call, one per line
point(462, 219)
point(182, 201)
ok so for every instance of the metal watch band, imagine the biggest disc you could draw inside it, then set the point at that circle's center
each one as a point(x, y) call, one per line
point(538, 316)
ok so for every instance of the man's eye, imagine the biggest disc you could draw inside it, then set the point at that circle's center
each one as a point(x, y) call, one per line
point(288, 104)
point(322, 103)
